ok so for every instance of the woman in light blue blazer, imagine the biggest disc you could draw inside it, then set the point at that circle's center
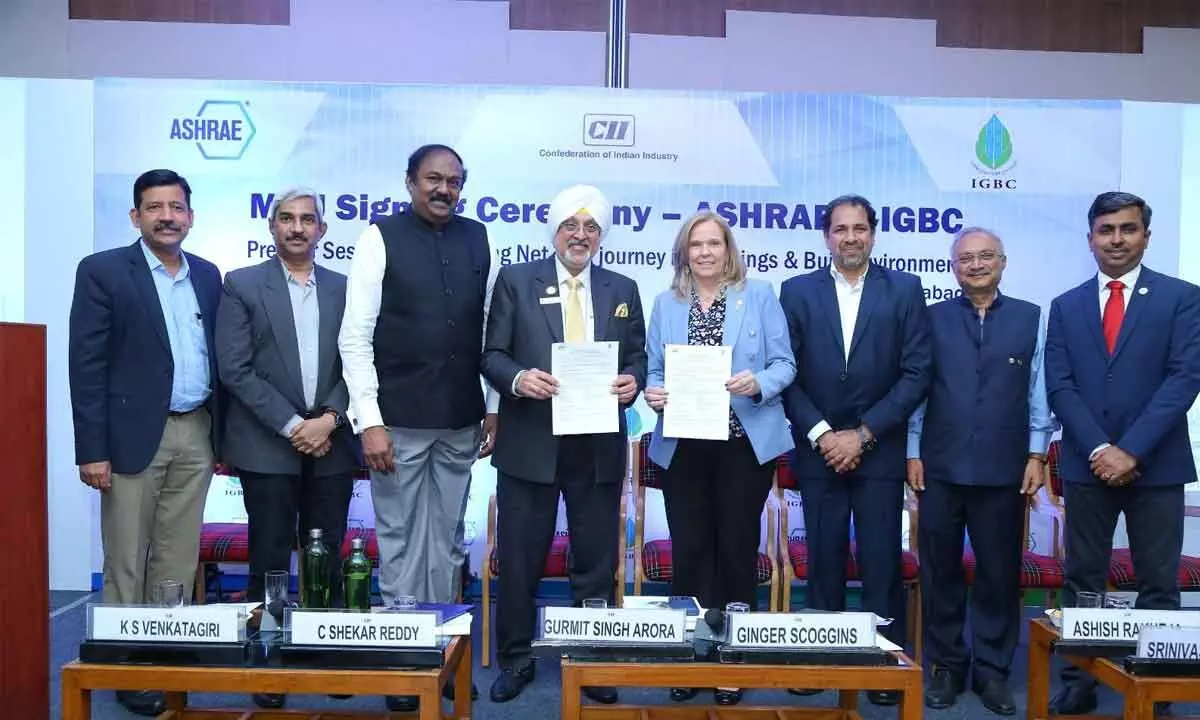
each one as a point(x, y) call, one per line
point(714, 490)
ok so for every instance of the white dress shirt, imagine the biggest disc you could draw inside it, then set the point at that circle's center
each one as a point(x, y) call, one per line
point(1130, 280)
point(849, 297)
point(364, 290)
point(585, 302)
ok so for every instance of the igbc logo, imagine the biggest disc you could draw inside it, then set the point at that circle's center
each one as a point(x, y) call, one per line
point(608, 130)
point(221, 129)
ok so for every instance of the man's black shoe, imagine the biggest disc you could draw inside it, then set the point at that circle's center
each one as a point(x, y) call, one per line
point(509, 683)
point(601, 694)
point(995, 696)
point(1074, 700)
point(148, 703)
point(681, 694)
point(944, 688)
point(803, 692)
point(884, 698)
point(448, 691)
point(402, 703)
point(269, 701)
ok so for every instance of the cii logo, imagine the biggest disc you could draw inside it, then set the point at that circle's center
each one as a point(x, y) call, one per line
point(994, 157)
point(608, 130)
point(221, 129)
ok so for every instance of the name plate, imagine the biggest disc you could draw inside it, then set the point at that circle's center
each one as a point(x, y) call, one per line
point(1121, 625)
point(1159, 643)
point(613, 625)
point(192, 624)
point(352, 629)
point(801, 630)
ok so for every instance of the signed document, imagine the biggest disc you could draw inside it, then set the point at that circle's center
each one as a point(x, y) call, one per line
point(585, 403)
point(697, 401)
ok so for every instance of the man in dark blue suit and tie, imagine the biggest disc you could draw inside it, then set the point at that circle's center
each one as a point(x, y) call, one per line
point(977, 452)
point(1122, 370)
point(143, 377)
point(860, 336)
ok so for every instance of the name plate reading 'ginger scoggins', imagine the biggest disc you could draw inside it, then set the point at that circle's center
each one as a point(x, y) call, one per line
point(801, 630)
point(1119, 624)
point(352, 629)
point(1160, 643)
point(612, 625)
point(193, 624)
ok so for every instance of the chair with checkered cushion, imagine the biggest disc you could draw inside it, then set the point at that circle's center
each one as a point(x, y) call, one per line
point(652, 560)
point(796, 569)
point(558, 566)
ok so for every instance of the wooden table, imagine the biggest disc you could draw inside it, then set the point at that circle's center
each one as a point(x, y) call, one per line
point(1140, 692)
point(848, 680)
point(80, 679)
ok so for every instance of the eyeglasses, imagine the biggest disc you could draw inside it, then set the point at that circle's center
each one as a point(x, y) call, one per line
point(571, 227)
point(986, 256)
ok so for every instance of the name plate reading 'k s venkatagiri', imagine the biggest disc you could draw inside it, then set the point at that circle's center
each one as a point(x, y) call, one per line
point(612, 625)
point(1160, 643)
point(193, 624)
point(801, 630)
point(1121, 625)
point(350, 629)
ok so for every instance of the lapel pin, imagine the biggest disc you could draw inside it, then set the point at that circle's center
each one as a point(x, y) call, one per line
point(1143, 290)
point(550, 290)
point(739, 302)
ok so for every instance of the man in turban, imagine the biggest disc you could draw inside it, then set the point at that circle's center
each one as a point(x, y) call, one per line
point(564, 298)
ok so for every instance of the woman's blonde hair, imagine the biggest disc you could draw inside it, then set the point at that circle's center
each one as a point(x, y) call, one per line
point(734, 272)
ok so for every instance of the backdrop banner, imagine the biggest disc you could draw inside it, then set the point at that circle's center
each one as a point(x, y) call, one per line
point(768, 163)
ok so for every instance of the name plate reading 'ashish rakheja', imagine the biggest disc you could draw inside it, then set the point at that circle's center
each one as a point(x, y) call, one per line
point(796, 631)
point(1121, 625)
point(611, 625)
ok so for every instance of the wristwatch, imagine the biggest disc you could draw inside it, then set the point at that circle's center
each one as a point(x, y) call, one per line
point(339, 420)
point(868, 443)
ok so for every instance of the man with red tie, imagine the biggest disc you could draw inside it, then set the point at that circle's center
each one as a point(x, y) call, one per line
point(1122, 370)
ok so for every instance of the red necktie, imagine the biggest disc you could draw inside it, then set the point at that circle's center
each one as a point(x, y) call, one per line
point(1114, 313)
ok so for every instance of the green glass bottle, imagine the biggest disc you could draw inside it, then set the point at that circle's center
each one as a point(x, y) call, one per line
point(315, 593)
point(356, 576)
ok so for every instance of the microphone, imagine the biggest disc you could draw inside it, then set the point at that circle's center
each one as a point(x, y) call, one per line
point(709, 635)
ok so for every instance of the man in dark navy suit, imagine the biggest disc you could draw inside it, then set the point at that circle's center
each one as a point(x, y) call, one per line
point(976, 453)
point(143, 378)
point(1122, 369)
point(860, 336)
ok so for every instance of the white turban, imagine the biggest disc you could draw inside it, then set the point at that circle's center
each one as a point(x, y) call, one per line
point(580, 199)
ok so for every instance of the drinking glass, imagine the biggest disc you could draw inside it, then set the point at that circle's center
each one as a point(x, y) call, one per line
point(1088, 600)
point(1116, 602)
point(595, 603)
point(168, 593)
point(404, 603)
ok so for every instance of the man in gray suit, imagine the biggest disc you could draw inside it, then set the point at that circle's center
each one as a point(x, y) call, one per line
point(534, 305)
point(286, 432)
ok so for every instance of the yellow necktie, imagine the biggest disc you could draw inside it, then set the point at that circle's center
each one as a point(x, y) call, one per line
point(573, 325)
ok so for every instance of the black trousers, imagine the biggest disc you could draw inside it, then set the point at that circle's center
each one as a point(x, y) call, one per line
point(1154, 523)
point(876, 508)
point(995, 519)
point(274, 503)
point(714, 493)
point(527, 513)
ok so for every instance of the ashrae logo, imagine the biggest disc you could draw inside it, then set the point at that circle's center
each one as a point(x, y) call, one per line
point(994, 157)
point(608, 130)
point(221, 129)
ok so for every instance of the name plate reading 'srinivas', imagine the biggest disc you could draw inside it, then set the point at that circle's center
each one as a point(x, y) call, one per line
point(1159, 643)
point(193, 624)
point(801, 630)
point(612, 625)
point(351, 629)
point(1121, 625)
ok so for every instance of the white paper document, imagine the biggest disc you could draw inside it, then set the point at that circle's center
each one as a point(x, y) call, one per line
point(585, 403)
point(697, 401)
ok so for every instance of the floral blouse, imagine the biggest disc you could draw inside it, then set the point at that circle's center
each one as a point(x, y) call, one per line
point(708, 328)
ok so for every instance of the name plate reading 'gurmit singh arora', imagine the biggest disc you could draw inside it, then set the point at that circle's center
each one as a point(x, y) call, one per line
point(611, 625)
point(792, 631)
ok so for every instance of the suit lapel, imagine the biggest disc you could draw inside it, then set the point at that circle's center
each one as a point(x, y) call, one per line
point(1135, 301)
point(278, 304)
point(1087, 305)
point(603, 304)
point(545, 285)
point(829, 308)
point(871, 291)
point(735, 312)
point(330, 306)
point(143, 280)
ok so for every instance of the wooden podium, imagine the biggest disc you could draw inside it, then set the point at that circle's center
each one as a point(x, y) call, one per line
point(24, 561)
